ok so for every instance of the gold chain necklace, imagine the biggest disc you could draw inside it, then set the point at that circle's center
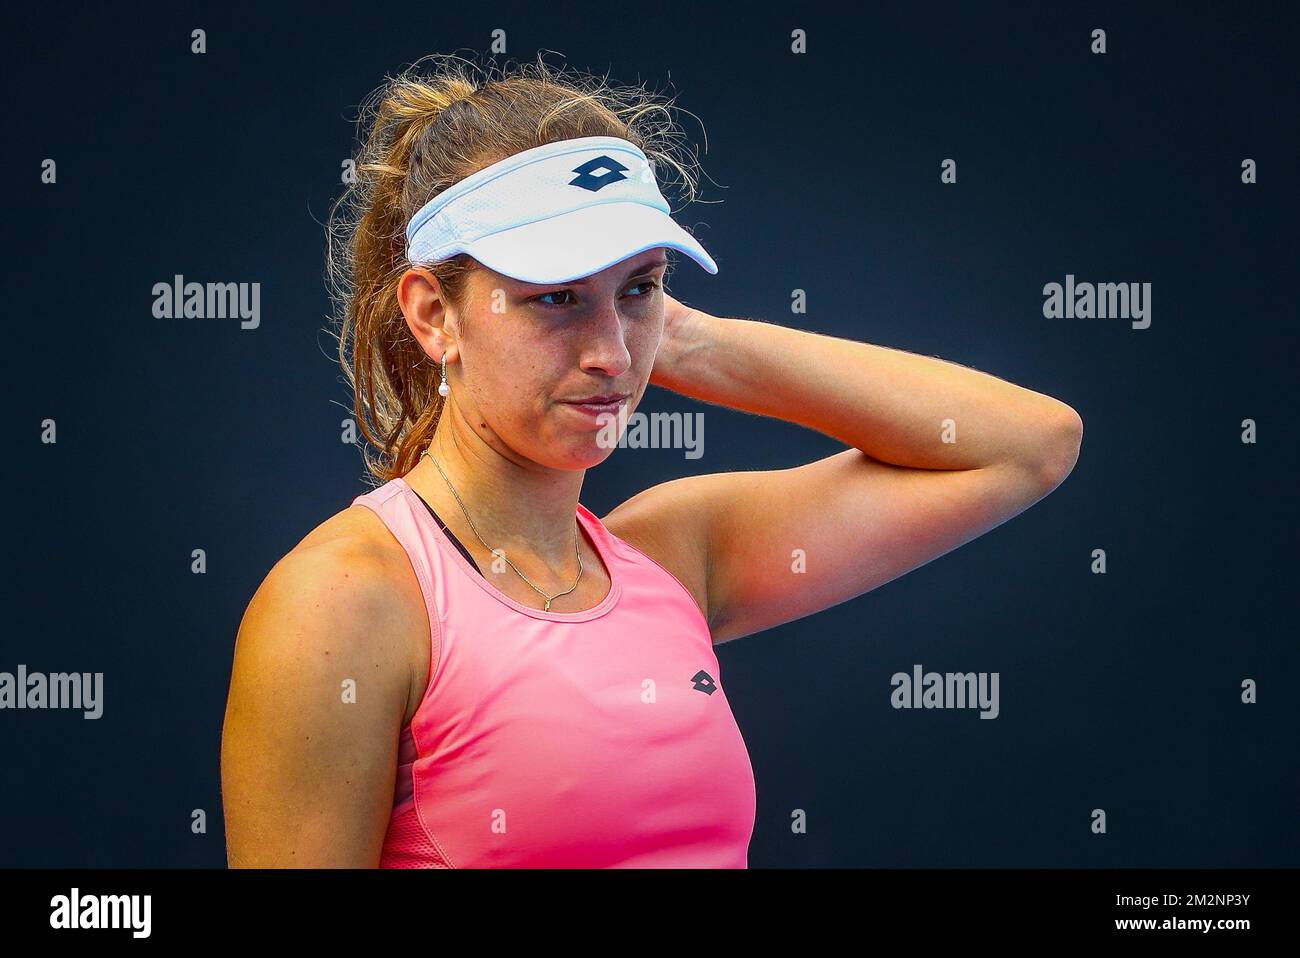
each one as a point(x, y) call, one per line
point(548, 598)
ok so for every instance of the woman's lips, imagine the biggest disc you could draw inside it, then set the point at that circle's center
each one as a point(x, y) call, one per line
point(593, 410)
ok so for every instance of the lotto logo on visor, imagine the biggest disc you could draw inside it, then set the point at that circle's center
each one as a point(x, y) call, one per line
point(614, 171)
point(519, 217)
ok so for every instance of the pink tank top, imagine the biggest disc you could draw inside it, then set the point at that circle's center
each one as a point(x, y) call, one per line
point(594, 739)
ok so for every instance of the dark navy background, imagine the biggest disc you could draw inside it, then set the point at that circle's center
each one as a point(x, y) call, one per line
point(1119, 692)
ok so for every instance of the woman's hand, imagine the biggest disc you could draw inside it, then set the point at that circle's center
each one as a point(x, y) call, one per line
point(681, 334)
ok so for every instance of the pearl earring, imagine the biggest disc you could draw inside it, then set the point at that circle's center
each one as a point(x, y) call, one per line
point(443, 389)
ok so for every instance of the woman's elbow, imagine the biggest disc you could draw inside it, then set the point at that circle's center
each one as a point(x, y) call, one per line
point(1061, 448)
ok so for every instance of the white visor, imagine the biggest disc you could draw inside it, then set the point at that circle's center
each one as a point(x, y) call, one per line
point(553, 213)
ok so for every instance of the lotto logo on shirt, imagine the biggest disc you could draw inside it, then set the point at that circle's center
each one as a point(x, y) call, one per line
point(704, 682)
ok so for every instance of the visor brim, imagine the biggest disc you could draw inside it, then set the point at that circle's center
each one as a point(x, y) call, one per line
point(584, 241)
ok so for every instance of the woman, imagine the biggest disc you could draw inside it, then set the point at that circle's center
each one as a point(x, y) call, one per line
point(466, 668)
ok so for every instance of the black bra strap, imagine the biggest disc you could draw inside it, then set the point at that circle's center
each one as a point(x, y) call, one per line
point(450, 535)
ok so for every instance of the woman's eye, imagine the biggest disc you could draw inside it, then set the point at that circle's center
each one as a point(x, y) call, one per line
point(649, 285)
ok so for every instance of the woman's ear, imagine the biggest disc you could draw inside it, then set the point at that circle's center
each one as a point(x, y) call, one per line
point(428, 316)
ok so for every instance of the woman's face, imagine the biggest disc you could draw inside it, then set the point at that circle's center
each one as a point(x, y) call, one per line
point(528, 350)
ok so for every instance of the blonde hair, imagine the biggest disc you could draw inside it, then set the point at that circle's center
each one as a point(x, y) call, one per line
point(418, 134)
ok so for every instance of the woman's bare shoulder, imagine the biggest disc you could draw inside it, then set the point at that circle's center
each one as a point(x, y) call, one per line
point(352, 568)
point(351, 555)
point(355, 529)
